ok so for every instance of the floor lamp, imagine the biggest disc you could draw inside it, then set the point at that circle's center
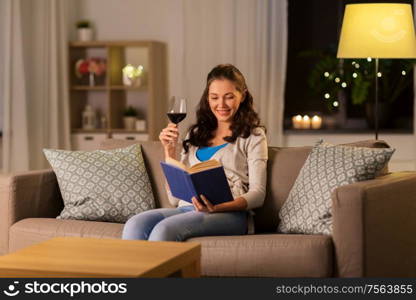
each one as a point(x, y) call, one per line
point(377, 30)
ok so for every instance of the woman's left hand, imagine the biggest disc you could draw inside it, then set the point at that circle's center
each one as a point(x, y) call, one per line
point(205, 207)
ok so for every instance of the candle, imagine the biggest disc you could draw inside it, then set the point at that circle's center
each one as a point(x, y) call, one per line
point(306, 122)
point(316, 122)
point(297, 121)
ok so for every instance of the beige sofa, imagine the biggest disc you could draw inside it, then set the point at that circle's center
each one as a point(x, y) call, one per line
point(374, 230)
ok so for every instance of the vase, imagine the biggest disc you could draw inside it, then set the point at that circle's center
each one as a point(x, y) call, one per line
point(88, 117)
point(85, 34)
point(140, 125)
point(129, 123)
point(91, 79)
point(132, 81)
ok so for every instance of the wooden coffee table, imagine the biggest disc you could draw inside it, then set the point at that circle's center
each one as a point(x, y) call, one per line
point(89, 257)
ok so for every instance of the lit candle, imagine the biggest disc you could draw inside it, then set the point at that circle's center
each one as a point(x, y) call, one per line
point(297, 122)
point(316, 122)
point(306, 122)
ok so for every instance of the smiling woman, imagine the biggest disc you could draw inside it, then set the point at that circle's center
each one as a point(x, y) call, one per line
point(230, 128)
point(225, 109)
point(224, 99)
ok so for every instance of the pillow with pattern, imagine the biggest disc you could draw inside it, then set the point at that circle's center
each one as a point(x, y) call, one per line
point(308, 207)
point(102, 185)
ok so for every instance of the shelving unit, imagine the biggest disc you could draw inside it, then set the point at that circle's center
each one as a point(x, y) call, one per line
point(109, 97)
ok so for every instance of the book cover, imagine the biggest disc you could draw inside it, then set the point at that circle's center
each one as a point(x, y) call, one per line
point(192, 182)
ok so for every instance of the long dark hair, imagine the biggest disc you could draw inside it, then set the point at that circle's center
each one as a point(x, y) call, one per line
point(244, 120)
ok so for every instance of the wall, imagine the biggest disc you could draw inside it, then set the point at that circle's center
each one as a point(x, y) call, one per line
point(160, 20)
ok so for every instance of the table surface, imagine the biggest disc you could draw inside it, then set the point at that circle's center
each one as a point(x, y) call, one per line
point(92, 257)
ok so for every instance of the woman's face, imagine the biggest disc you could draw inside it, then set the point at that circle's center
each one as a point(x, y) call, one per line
point(224, 99)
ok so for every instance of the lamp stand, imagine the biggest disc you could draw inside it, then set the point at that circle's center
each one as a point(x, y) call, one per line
point(376, 102)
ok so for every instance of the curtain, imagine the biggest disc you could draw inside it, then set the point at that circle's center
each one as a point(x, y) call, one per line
point(252, 35)
point(35, 91)
point(414, 102)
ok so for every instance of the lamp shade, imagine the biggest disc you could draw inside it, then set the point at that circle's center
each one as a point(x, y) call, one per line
point(377, 30)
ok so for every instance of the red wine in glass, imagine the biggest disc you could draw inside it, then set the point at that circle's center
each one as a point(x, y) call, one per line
point(176, 117)
point(177, 110)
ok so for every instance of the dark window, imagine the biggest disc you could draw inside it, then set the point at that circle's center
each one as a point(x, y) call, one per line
point(313, 34)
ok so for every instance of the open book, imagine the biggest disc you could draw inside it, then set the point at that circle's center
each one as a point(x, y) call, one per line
point(206, 178)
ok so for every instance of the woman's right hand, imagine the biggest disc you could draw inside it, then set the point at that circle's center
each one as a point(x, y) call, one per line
point(169, 138)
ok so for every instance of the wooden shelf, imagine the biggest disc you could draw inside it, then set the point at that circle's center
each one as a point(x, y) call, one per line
point(110, 98)
point(105, 87)
point(127, 131)
point(105, 130)
point(87, 131)
point(132, 88)
point(120, 43)
point(89, 88)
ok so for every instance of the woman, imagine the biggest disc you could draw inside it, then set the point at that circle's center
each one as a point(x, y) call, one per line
point(228, 130)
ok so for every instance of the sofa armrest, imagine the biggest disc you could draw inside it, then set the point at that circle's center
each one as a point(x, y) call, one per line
point(374, 227)
point(27, 195)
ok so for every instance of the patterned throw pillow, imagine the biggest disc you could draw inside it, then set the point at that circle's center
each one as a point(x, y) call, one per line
point(102, 185)
point(308, 206)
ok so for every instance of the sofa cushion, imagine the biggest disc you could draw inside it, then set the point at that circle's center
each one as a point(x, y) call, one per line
point(100, 185)
point(269, 255)
point(153, 154)
point(308, 207)
point(34, 230)
point(274, 255)
point(283, 167)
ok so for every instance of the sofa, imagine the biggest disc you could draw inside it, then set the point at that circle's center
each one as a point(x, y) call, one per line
point(374, 223)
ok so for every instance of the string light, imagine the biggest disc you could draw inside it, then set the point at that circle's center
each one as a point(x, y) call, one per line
point(379, 74)
point(354, 75)
point(369, 59)
point(337, 80)
point(335, 103)
point(327, 96)
point(357, 66)
point(344, 84)
point(403, 72)
point(326, 74)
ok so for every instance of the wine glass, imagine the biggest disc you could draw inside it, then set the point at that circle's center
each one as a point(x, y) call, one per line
point(177, 110)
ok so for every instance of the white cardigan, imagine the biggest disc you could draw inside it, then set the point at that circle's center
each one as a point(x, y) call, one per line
point(244, 162)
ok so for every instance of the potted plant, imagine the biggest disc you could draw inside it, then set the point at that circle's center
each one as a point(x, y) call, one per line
point(355, 78)
point(130, 117)
point(84, 30)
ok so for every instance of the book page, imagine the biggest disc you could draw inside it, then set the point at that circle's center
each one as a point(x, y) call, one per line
point(202, 166)
point(176, 163)
point(205, 165)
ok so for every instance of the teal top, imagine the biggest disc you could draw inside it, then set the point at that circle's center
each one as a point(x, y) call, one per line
point(206, 153)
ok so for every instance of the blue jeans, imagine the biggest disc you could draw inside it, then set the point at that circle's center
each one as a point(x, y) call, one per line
point(179, 224)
